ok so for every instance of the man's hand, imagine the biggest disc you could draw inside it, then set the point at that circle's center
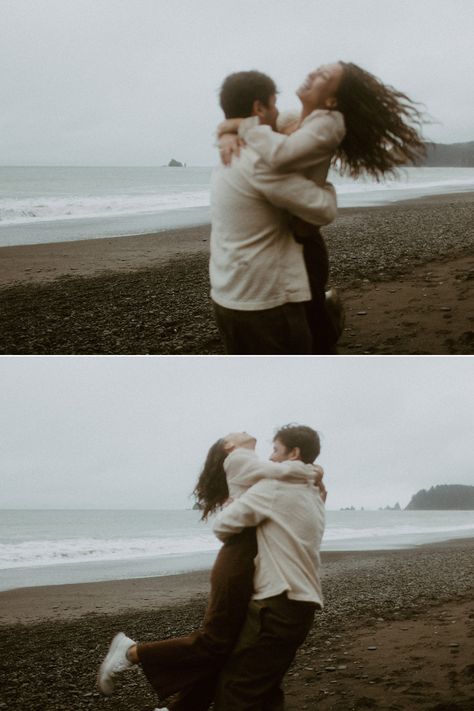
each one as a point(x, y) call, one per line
point(229, 126)
point(229, 146)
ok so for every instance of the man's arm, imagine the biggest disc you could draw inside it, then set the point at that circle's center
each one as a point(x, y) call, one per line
point(249, 510)
point(297, 195)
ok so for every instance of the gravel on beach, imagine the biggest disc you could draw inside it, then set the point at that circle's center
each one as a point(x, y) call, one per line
point(165, 309)
point(396, 633)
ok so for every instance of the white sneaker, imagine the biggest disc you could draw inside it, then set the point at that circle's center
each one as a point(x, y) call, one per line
point(115, 662)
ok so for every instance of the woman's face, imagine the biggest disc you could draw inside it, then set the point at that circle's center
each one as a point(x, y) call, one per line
point(319, 89)
point(239, 439)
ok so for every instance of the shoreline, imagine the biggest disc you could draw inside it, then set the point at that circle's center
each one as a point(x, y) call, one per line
point(395, 634)
point(34, 604)
point(404, 271)
point(43, 262)
point(190, 222)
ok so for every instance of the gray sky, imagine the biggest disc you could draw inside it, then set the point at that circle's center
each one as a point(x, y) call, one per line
point(135, 82)
point(125, 432)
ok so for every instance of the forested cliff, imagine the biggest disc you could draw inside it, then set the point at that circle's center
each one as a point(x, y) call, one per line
point(445, 497)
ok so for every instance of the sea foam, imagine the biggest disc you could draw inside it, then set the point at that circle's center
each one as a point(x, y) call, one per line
point(81, 550)
point(46, 552)
point(16, 211)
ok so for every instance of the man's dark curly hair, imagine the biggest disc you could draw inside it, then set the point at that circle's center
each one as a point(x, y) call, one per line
point(301, 436)
point(240, 90)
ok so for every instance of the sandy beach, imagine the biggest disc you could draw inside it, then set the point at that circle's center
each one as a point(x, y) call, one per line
point(396, 633)
point(405, 272)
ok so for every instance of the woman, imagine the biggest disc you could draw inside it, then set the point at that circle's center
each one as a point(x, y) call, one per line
point(189, 666)
point(348, 118)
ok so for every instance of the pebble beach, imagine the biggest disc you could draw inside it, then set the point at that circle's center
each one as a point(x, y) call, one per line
point(405, 272)
point(396, 633)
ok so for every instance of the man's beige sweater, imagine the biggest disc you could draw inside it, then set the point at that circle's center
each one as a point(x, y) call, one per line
point(290, 519)
point(255, 262)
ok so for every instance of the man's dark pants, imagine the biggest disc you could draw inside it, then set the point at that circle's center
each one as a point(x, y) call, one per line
point(273, 631)
point(283, 330)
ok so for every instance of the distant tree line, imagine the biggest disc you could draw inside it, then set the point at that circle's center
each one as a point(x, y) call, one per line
point(456, 155)
point(444, 497)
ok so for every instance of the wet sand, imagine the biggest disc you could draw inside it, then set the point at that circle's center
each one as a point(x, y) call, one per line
point(397, 633)
point(405, 271)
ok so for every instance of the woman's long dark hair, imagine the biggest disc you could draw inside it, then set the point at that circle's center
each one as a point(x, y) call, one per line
point(382, 125)
point(211, 489)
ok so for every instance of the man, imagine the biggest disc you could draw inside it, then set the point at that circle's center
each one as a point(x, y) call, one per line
point(259, 283)
point(287, 586)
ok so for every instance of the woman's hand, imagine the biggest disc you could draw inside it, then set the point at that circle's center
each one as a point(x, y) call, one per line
point(318, 480)
point(229, 126)
point(318, 473)
point(323, 491)
point(229, 146)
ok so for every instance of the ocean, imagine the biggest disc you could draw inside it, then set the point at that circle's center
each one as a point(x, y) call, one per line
point(56, 547)
point(57, 204)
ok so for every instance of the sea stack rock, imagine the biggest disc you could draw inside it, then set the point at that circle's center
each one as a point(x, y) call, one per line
point(175, 164)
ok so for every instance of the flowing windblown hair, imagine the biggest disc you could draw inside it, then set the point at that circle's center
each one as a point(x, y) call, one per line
point(382, 125)
point(211, 489)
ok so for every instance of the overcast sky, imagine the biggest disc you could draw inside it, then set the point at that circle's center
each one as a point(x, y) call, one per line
point(133, 432)
point(135, 82)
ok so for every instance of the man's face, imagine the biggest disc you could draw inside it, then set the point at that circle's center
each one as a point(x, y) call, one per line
point(267, 114)
point(280, 453)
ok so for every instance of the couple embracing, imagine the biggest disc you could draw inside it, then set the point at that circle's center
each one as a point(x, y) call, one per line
point(269, 264)
point(265, 583)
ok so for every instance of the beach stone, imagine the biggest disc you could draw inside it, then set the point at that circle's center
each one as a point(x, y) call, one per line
point(365, 702)
point(469, 671)
point(429, 572)
point(371, 648)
